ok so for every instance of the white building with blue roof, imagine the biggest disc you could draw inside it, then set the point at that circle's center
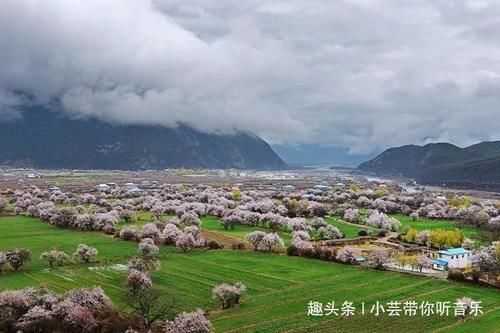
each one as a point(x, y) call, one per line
point(452, 258)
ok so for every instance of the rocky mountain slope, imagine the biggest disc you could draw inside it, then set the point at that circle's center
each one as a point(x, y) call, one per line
point(47, 139)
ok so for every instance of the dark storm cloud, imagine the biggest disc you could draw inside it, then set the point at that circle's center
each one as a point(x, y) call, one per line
point(358, 74)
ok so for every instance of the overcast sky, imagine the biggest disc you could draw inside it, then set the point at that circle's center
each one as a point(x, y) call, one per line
point(363, 75)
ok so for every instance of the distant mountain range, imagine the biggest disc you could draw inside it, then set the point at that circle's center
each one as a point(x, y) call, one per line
point(441, 163)
point(49, 139)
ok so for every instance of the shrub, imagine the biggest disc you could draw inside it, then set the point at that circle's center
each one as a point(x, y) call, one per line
point(457, 275)
point(476, 275)
point(363, 232)
point(292, 250)
point(325, 253)
point(213, 245)
point(382, 233)
point(239, 246)
point(308, 252)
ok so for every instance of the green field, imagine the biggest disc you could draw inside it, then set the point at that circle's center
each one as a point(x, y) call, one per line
point(212, 223)
point(423, 223)
point(141, 218)
point(348, 230)
point(279, 287)
point(239, 232)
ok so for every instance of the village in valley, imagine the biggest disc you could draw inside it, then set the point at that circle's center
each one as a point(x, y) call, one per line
point(145, 235)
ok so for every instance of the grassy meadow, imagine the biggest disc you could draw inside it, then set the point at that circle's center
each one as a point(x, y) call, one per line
point(279, 287)
point(348, 230)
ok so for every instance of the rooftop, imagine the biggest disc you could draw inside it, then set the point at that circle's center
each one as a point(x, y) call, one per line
point(454, 251)
point(440, 262)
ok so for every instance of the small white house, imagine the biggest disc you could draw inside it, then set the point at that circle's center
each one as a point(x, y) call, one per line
point(440, 265)
point(452, 258)
point(33, 175)
point(54, 188)
point(103, 187)
point(130, 186)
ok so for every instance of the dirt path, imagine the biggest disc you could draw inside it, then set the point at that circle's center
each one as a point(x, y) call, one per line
point(225, 240)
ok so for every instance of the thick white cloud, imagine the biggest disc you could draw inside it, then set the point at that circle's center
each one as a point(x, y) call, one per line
point(360, 74)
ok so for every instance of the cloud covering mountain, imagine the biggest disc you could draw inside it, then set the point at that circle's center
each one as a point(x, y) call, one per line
point(363, 75)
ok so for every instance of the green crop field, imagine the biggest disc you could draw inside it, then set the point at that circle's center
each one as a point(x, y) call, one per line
point(423, 223)
point(348, 230)
point(279, 287)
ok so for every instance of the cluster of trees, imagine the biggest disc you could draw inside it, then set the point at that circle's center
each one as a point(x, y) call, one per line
point(36, 310)
point(265, 242)
point(274, 210)
point(488, 259)
point(75, 217)
point(345, 255)
point(416, 262)
point(183, 233)
point(438, 238)
point(382, 221)
point(15, 259)
point(88, 310)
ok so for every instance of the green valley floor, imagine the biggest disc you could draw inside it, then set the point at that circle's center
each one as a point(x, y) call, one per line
point(279, 287)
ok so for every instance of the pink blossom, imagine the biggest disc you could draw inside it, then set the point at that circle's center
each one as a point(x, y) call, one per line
point(193, 322)
point(346, 254)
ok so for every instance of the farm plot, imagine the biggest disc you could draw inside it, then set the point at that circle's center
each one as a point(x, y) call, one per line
point(279, 287)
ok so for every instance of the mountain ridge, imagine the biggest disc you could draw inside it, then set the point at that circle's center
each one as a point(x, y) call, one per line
point(440, 163)
point(48, 139)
